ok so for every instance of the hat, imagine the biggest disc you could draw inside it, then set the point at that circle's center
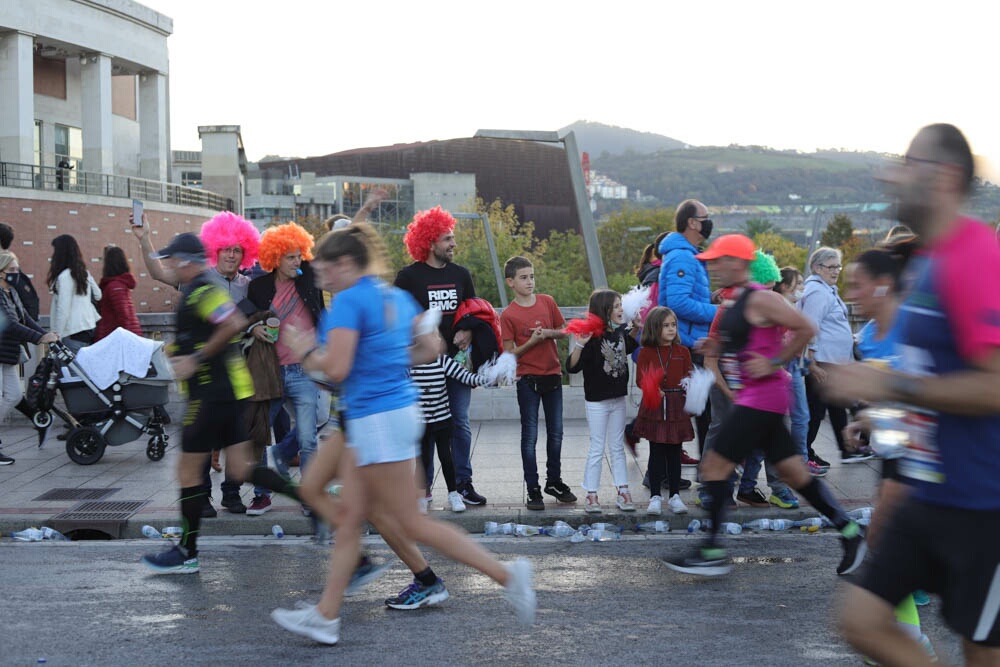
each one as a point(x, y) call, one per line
point(730, 245)
point(185, 246)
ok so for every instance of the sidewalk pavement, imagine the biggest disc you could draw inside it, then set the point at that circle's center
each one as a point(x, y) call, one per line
point(496, 464)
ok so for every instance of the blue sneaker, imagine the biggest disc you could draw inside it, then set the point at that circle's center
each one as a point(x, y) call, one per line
point(417, 595)
point(785, 499)
point(171, 561)
point(364, 574)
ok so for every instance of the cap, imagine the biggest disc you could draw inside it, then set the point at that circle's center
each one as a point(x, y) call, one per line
point(185, 246)
point(730, 245)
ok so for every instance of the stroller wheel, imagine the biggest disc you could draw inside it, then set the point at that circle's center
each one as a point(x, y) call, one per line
point(157, 447)
point(42, 419)
point(85, 445)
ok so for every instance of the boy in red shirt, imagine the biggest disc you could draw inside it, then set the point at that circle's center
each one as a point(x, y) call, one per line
point(529, 327)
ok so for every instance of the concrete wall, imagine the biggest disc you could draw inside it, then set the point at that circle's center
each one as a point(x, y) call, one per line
point(452, 192)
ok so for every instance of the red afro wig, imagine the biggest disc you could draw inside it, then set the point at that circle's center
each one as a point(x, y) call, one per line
point(225, 230)
point(426, 228)
point(276, 242)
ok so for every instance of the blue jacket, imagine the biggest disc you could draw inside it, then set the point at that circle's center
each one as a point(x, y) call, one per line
point(684, 288)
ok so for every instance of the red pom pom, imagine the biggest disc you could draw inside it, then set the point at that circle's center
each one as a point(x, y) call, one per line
point(650, 385)
point(591, 324)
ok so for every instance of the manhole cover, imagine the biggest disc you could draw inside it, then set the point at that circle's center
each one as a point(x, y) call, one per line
point(108, 516)
point(76, 494)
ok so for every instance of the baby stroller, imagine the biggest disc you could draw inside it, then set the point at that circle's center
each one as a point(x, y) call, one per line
point(113, 403)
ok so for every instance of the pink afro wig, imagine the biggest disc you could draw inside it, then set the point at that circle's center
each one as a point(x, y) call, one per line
point(225, 230)
point(276, 242)
point(426, 228)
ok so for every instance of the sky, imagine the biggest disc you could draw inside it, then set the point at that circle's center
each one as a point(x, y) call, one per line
point(311, 77)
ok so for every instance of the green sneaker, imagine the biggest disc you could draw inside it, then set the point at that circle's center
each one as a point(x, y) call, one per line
point(171, 561)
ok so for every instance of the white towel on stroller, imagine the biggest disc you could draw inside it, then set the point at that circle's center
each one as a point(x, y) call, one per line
point(120, 351)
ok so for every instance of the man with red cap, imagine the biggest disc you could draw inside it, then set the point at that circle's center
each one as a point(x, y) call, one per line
point(753, 329)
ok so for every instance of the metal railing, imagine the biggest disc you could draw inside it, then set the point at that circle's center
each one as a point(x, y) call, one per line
point(57, 179)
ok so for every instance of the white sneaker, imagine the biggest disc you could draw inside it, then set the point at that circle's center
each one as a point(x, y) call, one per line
point(592, 505)
point(310, 623)
point(456, 501)
point(677, 505)
point(655, 506)
point(423, 504)
point(519, 590)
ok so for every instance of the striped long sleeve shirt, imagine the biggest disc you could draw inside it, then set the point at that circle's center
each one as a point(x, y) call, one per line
point(430, 380)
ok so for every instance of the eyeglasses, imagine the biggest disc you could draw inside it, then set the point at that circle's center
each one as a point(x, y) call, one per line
point(831, 267)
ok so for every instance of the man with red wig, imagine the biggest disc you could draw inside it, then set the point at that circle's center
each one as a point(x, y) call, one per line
point(289, 291)
point(435, 281)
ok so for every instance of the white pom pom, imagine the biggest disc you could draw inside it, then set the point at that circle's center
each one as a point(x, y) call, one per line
point(634, 301)
point(697, 386)
point(501, 370)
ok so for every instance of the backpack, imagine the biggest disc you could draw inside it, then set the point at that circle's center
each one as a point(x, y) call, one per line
point(38, 395)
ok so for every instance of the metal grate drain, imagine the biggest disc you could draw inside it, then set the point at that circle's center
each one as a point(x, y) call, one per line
point(106, 516)
point(76, 494)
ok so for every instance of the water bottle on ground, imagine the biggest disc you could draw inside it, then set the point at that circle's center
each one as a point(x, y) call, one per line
point(559, 529)
point(606, 526)
point(694, 526)
point(53, 534)
point(807, 523)
point(758, 524)
point(152, 533)
point(173, 531)
point(523, 530)
point(781, 524)
point(654, 527)
point(731, 528)
point(862, 515)
point(494, 528)
point(602, 535)
point(578, 536)
point(277, 531)
point(28, 535)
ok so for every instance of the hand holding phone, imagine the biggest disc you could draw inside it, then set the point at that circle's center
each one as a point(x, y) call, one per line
point(137, 209)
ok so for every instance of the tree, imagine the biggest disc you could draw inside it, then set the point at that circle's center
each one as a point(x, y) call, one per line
point(839, 231)
point(755, 226)
point(625, 234)
point(562, 272)
point(785, 251)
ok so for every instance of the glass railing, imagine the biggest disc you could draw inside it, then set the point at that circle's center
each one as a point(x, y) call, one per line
point(14, 175)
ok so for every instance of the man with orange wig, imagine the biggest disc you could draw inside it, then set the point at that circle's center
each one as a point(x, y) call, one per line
point(289, 291)
point(435, 281)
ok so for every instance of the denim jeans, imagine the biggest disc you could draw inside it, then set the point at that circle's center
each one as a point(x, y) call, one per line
point(459, 396)
point(302, 396)
point(799, 414)
point(751, 470)
point(606, 420)
point(552, 402)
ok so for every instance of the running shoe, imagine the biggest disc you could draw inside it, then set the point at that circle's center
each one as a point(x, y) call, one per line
point(818, 460)
point(855, 549)
point(365, 573)
point(309, 623)
point(561, 492)
point(655, 506)
point(815, 469)
point(785, 499)
point(624, 502)
point(592, 504)
point(704, 500)
point(520, 591)
point(921, 598)
point(856, 457)
point(171, 561)
point(208, 511)
point(234, 504)
point(469, 494)
point(677, 505)
point(535, 501)
point(416, 595)
point(703, 562)
point(688, 460)
point(455, 501)
point(754, 498)
point(259, 505)
point(5, 460)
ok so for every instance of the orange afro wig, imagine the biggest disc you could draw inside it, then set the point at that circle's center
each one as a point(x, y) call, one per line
point(225, 230)
point(276, 242)
point(426, 228)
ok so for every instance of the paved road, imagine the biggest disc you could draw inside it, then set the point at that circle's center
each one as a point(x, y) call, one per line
point(91, 603)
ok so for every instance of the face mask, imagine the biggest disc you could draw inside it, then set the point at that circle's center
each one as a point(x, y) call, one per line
point(798, 294)
point(11, 277)
point(706, 229)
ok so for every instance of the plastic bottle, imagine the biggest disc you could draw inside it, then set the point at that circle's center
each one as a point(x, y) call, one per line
point(524, 530)
point(606, 526)
point(601, 535)
point(152, 533)
point(862, 514)
point(781, 524)
point(654, 527)
point(28, 535)
point(173, 531)
point(757, 524)
point(807, 523)
point(494, 528)
point(578, 536)
point(559, 529)
point(53, 534)
point(731, 528)
point(694, 526)
point(277, 531)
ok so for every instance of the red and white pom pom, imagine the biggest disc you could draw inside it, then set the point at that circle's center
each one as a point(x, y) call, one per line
point(591, 324)
point(697, 386)
point(500, 371)
point(634, 301)
point(650, 383)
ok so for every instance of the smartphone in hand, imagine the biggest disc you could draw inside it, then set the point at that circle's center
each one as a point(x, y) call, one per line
point(137, 213)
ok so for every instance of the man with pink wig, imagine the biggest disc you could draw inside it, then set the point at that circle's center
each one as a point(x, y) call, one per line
point(435, 281)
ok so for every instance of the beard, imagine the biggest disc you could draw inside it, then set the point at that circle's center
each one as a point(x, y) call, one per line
point(443, 256)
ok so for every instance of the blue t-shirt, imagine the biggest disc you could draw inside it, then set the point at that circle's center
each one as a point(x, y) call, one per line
point(872, 347)
point(379, 379)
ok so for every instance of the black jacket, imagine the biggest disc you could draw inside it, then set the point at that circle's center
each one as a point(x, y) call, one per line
point(26, 291)
point(20, 328)
point(262, 290)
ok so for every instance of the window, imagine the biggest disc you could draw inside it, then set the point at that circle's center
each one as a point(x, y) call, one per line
point(191, 179)
point(69, 145)
point(38, 143)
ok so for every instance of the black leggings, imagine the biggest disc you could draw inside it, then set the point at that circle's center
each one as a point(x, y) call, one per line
point(438, 433)
point(817, 409)
point(664, 458)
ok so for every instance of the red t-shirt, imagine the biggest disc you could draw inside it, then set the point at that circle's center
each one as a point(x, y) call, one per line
point(516, 324)
point(290, 310)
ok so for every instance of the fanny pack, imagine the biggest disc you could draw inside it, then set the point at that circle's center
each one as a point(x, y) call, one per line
point(543, 384)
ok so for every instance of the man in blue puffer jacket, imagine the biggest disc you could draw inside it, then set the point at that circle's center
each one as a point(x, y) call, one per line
point(684, 286)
